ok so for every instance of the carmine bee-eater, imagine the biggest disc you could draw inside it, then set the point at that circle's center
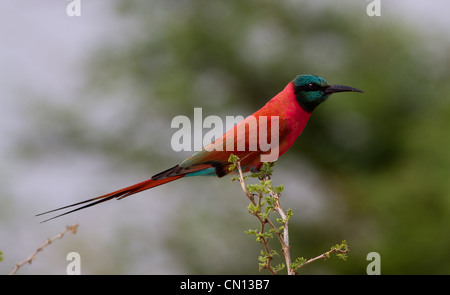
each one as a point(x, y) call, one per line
point(292, 108)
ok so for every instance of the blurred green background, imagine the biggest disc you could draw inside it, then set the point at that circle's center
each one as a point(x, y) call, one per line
point(88, 101)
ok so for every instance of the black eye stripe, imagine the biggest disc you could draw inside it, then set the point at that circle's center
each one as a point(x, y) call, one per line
point(309, 87)
point(313, 86)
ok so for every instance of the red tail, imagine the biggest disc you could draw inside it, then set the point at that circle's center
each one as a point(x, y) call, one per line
point(119, 194)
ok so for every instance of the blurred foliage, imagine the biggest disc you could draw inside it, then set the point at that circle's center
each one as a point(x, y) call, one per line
point(385, 153)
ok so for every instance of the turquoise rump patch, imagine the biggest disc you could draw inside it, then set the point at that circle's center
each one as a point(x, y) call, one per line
point(206, 172)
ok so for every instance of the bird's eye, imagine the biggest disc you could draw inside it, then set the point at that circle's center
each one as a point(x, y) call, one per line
point(313, 86)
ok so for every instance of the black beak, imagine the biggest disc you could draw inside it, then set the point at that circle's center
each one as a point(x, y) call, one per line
point(340, 88)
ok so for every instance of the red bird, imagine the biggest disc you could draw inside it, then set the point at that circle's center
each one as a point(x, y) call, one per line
point(282, 120)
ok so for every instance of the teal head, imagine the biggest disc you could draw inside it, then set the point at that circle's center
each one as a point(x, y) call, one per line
point(310, 91)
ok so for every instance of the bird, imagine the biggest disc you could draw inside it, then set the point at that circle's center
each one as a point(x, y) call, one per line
point(292, 107)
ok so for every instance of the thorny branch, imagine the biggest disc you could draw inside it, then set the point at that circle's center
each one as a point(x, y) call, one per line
point(283, 238)
point(326, 255)
point(282, 233)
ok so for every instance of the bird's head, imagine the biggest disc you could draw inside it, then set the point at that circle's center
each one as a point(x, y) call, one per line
point(310, 91)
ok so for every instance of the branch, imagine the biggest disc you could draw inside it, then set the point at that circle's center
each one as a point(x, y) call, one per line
point(325, 255)
point(268, 201)
point(72, 228)
point(285, 240)
point(263, 217)
point(242, 182)
point(341, 251)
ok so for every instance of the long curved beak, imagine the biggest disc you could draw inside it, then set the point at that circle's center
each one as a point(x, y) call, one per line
point(340, 88)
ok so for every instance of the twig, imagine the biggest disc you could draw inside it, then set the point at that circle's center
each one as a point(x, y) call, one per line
point(263, 222)
point(72, 228)
point(242, 182)
point(325, 255)
point(285, 240)
point(282, 232)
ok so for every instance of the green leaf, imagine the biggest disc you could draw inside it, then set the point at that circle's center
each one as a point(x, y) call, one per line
point(233, 159)
point(278, 189)
point(297, 263)
point(253, 209)
point(265, 235)
point(279, 267)
point(343, 246)
point(342, 256)
point(289, 213)
point(234, 178)
point(251, 232)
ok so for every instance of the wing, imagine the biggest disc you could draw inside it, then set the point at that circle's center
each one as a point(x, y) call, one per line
point(244, 141)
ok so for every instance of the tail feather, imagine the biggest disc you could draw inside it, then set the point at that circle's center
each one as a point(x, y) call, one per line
point(119, 194)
